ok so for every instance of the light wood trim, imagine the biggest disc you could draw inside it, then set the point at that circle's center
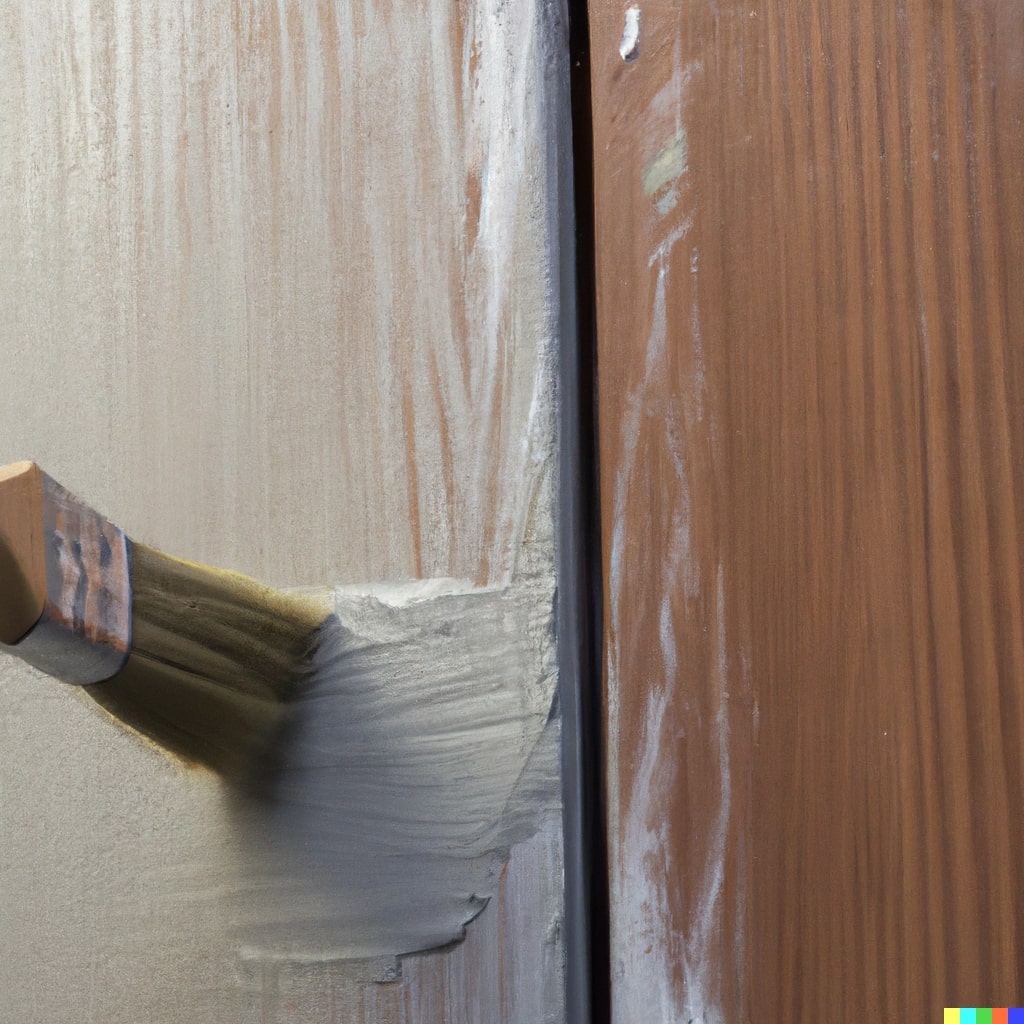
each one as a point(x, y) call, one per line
point(22, 555)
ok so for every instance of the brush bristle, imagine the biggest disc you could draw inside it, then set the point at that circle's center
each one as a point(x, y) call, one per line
point(215, 660)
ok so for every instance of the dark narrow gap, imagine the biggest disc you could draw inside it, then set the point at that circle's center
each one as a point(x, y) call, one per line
point(588, 969)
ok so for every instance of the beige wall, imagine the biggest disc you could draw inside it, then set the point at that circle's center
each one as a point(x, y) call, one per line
point(276, 296)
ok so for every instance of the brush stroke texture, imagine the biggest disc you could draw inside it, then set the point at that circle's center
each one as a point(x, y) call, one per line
point(420, 750)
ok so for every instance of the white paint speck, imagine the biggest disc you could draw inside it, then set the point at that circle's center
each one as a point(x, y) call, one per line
point(629, 45)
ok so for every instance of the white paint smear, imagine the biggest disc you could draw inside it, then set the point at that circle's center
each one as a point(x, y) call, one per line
point(629, 45)
point(663, 970)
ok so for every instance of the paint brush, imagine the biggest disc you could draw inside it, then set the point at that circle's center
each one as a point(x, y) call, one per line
point(386, 746)
point(201, 661)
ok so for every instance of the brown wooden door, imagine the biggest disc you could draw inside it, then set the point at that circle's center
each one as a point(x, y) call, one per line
point(810, 235)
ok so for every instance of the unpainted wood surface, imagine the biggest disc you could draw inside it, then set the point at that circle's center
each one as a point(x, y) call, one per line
point(22, 555)
point(810, 224)
point(277, 295)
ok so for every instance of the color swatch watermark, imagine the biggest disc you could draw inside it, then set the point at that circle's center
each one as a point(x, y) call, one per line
point(983, 1015)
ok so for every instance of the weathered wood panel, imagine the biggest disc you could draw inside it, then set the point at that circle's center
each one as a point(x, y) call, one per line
point(810, 222)
point(278, 297)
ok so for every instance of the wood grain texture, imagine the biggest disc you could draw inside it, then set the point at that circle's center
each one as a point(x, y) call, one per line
point(810, 225)
point(306, 287)
point(22, 555)
point(305, 253)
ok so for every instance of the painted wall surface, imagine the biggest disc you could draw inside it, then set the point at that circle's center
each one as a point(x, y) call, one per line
point(810, 233)
point(277, 296)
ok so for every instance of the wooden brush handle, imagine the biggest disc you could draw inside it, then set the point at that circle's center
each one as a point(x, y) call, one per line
point(65, 586)
point(201, 661)
point(22, 562)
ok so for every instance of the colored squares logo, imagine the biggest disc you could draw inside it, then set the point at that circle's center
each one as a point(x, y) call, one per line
point(982, 1015)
